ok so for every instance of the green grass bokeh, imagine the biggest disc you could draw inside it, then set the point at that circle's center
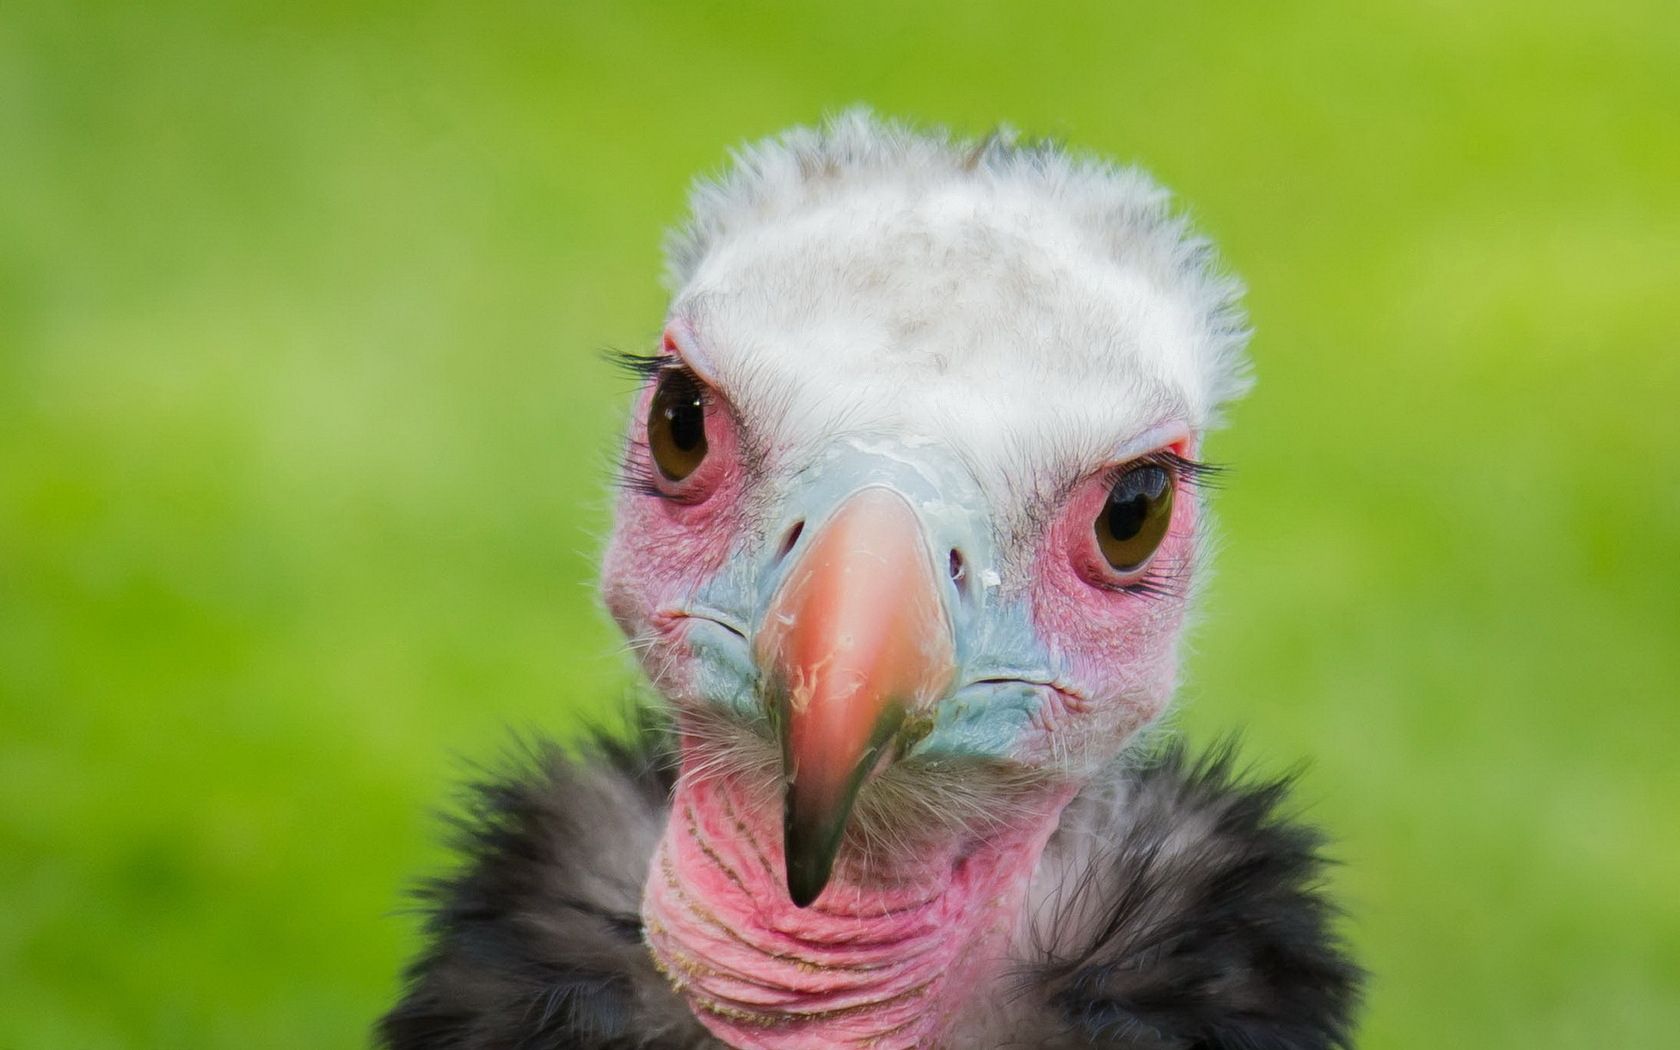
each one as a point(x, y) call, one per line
point(305, 445)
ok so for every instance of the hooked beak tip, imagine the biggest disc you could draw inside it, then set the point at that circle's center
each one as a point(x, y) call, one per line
point(818, 809)
point(808, 871)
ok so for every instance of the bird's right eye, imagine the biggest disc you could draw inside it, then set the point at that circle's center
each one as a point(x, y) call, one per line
point(676, 424)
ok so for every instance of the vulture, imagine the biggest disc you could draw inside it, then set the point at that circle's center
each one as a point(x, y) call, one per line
point(912, 514)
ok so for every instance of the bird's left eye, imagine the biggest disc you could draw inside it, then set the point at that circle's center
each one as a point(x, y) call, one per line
point(677, 424)
point(1133, 520)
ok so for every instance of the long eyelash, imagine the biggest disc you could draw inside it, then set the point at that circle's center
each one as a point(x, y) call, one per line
point(646, 367)
point(1196, 473)
point(632, 472)
point(637, 366)
point(1159, 582)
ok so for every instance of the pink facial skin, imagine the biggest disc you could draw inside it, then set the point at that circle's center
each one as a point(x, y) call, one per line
point(664, 547)
point(1119, 647)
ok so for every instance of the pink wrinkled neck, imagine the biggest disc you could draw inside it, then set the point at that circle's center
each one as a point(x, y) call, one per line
point(884, 958)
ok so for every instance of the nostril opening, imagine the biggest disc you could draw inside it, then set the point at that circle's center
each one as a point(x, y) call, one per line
point(958, 568)
point(790, 538)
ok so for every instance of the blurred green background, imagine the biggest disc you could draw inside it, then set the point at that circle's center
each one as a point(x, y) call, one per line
point(304, 454)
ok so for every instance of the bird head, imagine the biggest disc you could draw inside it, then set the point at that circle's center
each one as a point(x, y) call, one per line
point(911, 513)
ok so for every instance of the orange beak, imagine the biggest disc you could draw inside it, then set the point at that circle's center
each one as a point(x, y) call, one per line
point(855, 638)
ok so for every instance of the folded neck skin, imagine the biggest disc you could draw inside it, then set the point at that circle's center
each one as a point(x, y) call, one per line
point(882, 958)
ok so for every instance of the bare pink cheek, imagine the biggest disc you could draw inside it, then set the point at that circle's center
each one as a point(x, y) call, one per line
point(664, 549)
point(1120, 649)
point(661, 554)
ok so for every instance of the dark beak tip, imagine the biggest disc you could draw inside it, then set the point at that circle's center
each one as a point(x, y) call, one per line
point(807, 876)
point(803, 893)
point(809, 856)
point(815, 816)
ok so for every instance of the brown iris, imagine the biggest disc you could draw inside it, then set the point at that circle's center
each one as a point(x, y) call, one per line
point(1134, 520)
point(677, 424)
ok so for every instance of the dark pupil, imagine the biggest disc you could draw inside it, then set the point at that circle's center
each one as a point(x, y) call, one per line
point(1125, 517)
point(683, 411)
point(1130, 502)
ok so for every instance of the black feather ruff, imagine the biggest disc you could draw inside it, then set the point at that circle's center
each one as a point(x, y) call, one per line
point(1198, 923)
point(536, 943)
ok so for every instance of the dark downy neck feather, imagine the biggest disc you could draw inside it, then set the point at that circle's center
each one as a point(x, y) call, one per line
point(1197, 921)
